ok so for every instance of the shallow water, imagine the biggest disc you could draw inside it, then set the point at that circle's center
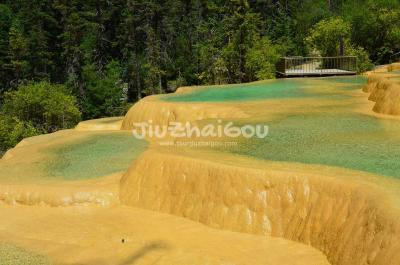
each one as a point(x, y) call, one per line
point(347, 140)
point(95, 155)
point(333, 135)
point(71, 155)
point(273, 89)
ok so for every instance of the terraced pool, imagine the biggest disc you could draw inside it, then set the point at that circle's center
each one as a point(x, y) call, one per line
point(272, 89)
point(347, 140)
point(95, 155)
point(334, 134)
point(71, 155)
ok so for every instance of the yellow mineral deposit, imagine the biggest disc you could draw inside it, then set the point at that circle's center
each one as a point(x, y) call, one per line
point(201, 206)
point(83, 221)
point(101, 124)
point(334, 210)
point(159, 112)
point(384, 89)
point(88, 234)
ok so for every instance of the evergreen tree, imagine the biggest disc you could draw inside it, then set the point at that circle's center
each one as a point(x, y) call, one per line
point(160, 45)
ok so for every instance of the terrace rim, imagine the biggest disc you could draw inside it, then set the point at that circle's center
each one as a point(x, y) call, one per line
point(298, 66)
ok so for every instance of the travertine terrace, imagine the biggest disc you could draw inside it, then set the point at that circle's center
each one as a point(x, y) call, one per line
point(322, 188)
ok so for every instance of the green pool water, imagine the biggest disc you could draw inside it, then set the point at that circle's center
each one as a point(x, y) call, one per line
point(331, 135)
point(273, 89)
point(95, 156)
point(347, 140)
point(351, 82)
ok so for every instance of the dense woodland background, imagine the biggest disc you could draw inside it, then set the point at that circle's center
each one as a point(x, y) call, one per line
point(66, 60)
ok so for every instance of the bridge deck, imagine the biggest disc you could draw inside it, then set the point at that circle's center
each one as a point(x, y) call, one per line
point(316, 66)
point(319, 72)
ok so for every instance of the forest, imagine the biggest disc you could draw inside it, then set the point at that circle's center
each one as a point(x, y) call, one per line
point(62, 61)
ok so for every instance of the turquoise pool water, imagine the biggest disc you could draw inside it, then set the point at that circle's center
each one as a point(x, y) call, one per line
point(333, 135)
point(95, 156)
point(273, 89)
point(347, 140)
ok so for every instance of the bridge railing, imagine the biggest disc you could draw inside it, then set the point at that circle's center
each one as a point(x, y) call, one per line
point(317, 65)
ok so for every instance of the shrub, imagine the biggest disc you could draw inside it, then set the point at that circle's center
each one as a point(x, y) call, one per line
point(261, 59)
point(48, 107)
point(326, 35)
point(363, 61)
point(13, 130)
point(34, 109)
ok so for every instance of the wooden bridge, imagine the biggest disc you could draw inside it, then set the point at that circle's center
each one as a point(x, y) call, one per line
point(316, 66)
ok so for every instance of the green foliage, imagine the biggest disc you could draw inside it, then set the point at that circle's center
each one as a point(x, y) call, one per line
point(46, 106)
point(281, 29)
point(157, 45)
point(326, 36)
point(261, 59)
point(241, 30)
point(18, 50)
point(13, 130)
point(223, 44)
point(5, 19)
point(173, 85)
point(34, 109)
point(304, 14)
point(5, 24)
point(363, 61)
point(376, 26)
point(104, 95)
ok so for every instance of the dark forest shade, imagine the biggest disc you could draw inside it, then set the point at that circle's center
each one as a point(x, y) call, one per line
point(155, 46)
